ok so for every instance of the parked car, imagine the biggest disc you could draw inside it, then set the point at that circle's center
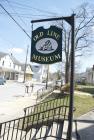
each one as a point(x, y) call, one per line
point(2, 80)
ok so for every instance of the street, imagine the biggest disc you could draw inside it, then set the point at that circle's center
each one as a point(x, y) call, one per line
point(13, 90)
point(13, 100)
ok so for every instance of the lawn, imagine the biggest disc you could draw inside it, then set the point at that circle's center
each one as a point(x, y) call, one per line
point(83, 104)
point(56, 107)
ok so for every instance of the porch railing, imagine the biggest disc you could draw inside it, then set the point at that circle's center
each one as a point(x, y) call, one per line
point(43, 92)
point(48, 104)
point(43, 121)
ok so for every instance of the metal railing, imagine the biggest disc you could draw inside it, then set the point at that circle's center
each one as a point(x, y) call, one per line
point(43, 92)
point(48, 104)
point(47, 119)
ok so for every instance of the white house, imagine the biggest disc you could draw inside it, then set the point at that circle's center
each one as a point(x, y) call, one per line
point(9, 66)
point(36, 68)
point(12, 69)
point(26, 73)
point(90, 75)
point(44, 72)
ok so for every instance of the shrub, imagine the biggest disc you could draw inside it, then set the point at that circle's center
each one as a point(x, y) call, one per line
point(65, 88)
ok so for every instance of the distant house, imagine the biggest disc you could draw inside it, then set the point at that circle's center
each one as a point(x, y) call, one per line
point(80, 77)
point(12, 69)
point(26, 73)
point(86, 77)
point(44, 71)
point(36, 68)
point(90, 75)
point(40, 72)
point(9, 66)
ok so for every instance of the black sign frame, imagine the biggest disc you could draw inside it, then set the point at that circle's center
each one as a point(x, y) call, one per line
point(46, 45)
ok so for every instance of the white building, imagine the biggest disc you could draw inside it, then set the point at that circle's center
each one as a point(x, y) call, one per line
point(36, 68)
point(26, 73)
point(44, 72)
point(11, 68)
point(90, 75)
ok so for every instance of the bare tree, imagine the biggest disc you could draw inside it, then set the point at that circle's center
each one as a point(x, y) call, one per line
point(84, 23)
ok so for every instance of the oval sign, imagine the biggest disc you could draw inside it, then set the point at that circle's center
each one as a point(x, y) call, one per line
point(46, 45)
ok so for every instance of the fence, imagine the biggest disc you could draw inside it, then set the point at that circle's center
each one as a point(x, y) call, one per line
point(42, 121)
point(41, 93)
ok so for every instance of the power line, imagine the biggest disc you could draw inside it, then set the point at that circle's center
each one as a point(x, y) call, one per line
point(15, 12)
point(14, 20)
point(25, 14)
point(30, 7)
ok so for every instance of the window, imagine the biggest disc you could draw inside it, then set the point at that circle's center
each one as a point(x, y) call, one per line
point(14, 66)
point(3, 63)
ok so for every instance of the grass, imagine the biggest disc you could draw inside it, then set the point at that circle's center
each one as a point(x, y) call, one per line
point(50, 109)
point(83, 104)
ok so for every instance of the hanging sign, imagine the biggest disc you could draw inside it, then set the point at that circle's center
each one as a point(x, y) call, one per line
point(46, 45)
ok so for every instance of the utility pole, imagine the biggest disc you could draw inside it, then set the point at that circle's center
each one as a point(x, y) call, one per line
point(47, 76)
point(25, 64)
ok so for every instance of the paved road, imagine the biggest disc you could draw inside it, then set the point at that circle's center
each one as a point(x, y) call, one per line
point(13, 100)
point(13, 90)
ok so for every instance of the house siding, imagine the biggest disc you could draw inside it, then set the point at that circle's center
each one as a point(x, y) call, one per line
point(11, 69)
point(90, 76)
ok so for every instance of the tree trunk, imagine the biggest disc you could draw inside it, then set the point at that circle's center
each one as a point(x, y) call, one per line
point(67, 70)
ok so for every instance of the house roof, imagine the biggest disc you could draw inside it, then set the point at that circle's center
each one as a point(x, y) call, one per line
point(15, 61)
point(2, 54)
point(23, 66)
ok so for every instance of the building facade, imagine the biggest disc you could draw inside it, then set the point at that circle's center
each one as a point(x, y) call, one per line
point(12, 69)
point(90, 75)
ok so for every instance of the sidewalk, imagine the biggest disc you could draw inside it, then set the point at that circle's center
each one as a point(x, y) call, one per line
point(85, 126)
point(82, 93)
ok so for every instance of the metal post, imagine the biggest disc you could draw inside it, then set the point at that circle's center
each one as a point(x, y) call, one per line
point(25, 65)
point(71, 83)
point(70, 21)
point(47, 77)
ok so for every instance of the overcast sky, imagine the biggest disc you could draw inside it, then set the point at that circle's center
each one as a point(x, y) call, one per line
point(14, 40)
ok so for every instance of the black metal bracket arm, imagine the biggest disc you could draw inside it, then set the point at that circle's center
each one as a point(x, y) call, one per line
point(68, 19)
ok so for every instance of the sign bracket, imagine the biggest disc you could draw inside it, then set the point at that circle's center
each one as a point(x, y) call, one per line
point(69, 20)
